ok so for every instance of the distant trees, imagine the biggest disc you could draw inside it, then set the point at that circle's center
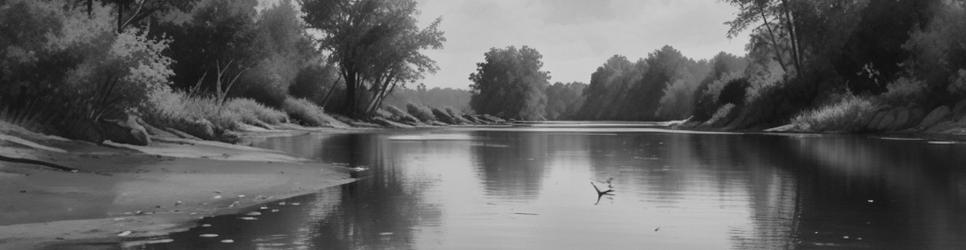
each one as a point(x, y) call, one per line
point(564, 100)
point(376, 44)
point(458, 99)
point(510, 84)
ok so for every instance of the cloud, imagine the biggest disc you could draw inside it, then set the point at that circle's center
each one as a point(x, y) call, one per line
point(575, 36)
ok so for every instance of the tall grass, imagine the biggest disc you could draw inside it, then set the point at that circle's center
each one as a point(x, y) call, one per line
point(203, 116)
point(307, 112)
point(850, 114)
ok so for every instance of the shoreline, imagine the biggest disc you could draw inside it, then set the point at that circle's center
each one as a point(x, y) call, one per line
point(123, 192)
point(119, 192)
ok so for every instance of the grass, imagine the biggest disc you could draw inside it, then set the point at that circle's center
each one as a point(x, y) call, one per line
point(305, 111)
point(253, 112)
point(422, 113)
point(850, 114)
point(203, 116)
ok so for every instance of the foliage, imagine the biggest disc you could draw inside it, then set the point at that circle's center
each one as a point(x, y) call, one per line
point(215, 36)
point(459, 99)
point(850, 114)
point(423, 113)
point(205, 116)
point(319, 83)
point(564, 100)
point(904, 91)
point(74, 66)
point(306, 112)
point(939, 56)
point(376, 44)
point(510, 83)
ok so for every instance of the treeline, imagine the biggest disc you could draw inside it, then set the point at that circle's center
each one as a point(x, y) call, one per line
point(456, 99)
point(510, 83)
point(819, 64)
point(89, 68)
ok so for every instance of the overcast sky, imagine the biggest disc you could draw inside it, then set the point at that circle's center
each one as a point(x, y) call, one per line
point(574, 36)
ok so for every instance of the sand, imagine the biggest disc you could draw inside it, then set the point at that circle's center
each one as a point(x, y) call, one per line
point(149, 191)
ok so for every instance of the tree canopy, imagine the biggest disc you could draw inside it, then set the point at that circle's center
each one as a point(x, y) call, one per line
point(377, 45)
point(510, 83)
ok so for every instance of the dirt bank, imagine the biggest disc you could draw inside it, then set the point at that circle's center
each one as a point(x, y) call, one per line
point(114, 191)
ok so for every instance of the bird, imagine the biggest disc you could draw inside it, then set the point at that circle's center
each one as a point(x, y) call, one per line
point(601, 193)
point(610, 189)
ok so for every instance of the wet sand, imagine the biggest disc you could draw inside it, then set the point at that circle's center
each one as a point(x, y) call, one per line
point(121, 191)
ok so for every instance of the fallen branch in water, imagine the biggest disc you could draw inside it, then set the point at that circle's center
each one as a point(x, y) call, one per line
point(38, 162)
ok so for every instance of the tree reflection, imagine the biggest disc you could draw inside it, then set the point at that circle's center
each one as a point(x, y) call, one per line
point(516, 170)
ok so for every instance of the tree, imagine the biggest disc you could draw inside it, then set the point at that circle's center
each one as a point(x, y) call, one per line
point(214, 46)
point(564, 100)
point(510, 83)
point(376, 44)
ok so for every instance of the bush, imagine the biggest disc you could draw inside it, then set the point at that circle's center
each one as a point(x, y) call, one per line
point(255, 113)
point(203, 117)
point(306, 112)
point(423, 113)
point(444, 117)
point(849, 114)
point(904, 91)
point(722, 116)
point(198, 116)
point(76, 65)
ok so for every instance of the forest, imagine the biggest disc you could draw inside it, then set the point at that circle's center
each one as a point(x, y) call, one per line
point(811, 65)
point(85, 69)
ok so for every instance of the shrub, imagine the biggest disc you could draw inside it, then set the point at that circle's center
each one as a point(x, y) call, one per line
point(722, 116)
point(904, 91)
point(423, 113)
point(958, 86)
point(444, 117)
point(198, 116)
point(849, 114)
point(253, 112)
point(306, 112)
point(733, 92)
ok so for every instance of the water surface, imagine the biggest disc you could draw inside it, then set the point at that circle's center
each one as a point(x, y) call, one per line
point(529, 188)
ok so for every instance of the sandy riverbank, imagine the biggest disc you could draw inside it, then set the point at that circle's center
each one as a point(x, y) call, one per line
point(119, 191)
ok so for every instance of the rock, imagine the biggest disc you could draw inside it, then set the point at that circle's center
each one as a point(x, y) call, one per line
point(886, 121)
point(494, 118)
point(876, 119)
point(960, 109)
point(158, 132)
point(389, 124)
point(200, 128)
point(901, 119)
point(939, 114)
point(444, 117)
point(783, 128)
point(915, 116)
point(941, 126)
point(126, 131)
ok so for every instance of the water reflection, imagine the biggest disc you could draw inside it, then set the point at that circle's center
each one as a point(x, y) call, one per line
point(528, 189)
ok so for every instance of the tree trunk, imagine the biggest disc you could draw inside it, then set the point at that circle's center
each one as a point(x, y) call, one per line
point(350, 92)
point(774, 42)
point(792, 31)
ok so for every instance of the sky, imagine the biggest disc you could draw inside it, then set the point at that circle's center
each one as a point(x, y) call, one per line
point(574, 36)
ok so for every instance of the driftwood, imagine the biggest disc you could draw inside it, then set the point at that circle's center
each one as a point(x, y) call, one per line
point(38, 162)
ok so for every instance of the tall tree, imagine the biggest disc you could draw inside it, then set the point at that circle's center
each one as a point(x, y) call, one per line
point(510, 83)
point(377, 45)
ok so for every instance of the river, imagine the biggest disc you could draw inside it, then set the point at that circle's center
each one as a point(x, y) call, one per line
point(529, 187)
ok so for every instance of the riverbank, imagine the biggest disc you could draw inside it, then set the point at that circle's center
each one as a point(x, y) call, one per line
point(58, 191)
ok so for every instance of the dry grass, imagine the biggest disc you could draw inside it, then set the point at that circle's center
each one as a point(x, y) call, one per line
point(179, 110)
point(848, 114)
point(307, 112)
